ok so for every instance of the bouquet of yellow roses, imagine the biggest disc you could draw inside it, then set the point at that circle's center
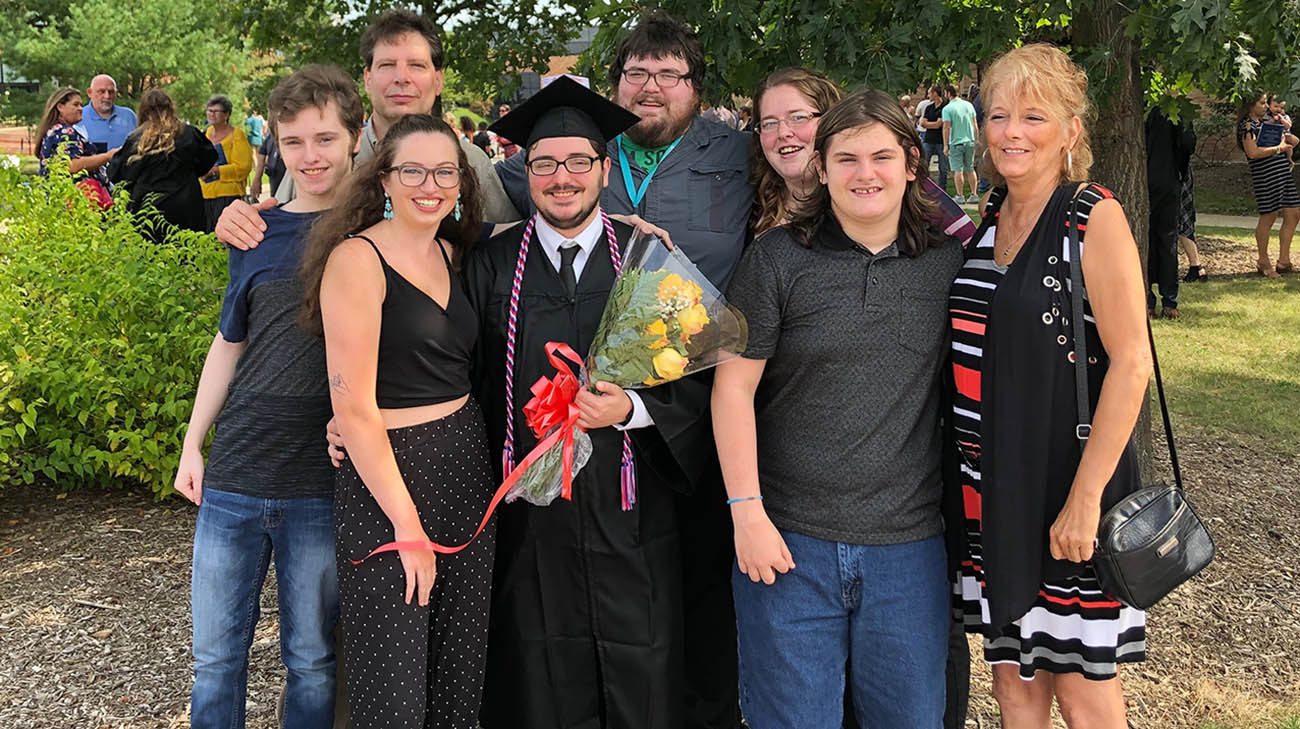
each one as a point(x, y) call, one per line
point(664, 320)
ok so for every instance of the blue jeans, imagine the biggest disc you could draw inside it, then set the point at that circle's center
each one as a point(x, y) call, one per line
point(930, 150)
point(234, 540)
point(885, 607)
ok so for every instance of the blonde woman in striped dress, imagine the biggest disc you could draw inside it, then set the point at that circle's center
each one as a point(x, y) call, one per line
point(1028, 493)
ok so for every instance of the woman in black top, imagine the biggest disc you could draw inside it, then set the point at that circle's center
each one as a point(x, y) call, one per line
point(399, 332)
point(1028, 494)
point(161, 162)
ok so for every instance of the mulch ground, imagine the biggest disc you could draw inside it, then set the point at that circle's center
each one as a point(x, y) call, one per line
point(94, 609)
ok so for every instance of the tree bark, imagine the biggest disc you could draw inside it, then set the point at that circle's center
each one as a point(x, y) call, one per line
point(1118, 136)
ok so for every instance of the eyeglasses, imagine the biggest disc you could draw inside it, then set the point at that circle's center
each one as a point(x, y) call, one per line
point(576, 165)
point(415, 175)
point(216, 111)
point(794, 121)
point(663, 79)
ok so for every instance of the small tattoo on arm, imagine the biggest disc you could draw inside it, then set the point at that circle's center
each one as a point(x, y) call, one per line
point(337, 383)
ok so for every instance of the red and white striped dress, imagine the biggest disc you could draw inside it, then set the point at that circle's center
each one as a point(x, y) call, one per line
point(1073, 626)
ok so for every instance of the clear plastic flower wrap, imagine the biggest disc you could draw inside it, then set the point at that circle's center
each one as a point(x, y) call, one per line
point(543, 480)
point(562, 448)
point(664, 320)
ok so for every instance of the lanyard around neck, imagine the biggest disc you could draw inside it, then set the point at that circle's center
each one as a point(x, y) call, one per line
point(637, 194)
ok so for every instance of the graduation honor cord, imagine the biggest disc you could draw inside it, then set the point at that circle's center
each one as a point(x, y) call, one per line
point(627, 469)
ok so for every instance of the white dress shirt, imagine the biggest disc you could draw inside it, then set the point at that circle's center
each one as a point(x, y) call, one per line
point(551, 242)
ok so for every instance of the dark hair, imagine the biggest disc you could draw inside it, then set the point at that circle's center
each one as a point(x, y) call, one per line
point(1243, 110)
point(658, 35)
point(466, 124)
point(360, 204)
point(951, 91)
point(917, 228)
point(769, 187)
point(50, 116)
point(222, 101)
point(396, 23)
point(316, 86)
point(158, 128)
point(936, 90)
point(482, 126)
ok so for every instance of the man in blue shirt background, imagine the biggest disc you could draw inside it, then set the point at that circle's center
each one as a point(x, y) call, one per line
point(105, 123)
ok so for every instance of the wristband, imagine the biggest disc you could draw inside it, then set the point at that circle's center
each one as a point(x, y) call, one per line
point(738, 499)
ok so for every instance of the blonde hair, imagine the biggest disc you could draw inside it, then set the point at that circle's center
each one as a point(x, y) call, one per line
point(159, 126)
point(1045, 74)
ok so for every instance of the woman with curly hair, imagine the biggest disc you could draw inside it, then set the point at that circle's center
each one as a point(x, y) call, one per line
point(381, 277)
point(788, 104)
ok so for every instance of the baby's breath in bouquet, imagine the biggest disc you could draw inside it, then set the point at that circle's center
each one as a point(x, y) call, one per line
point(664, 320)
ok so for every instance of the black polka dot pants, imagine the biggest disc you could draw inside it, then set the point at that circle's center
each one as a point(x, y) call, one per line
point(412, 667)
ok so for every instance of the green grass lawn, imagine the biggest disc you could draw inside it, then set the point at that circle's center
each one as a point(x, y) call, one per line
point(1222, 202)
point(1232, 362)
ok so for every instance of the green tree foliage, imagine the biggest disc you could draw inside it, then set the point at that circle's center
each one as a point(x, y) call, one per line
point(186, 46)
point(102, 336)
point(485, 42)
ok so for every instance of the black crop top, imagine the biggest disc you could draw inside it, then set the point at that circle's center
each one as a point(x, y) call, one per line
point(424, 350)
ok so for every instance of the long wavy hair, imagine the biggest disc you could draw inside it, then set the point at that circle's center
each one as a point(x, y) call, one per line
point(361, 205)
point(159, 125)
point(50, 116)
point(1243, 111)
point(769, 186)
point(917, 226)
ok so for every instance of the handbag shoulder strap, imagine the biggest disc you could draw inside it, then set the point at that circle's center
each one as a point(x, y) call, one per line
point(1084, 427)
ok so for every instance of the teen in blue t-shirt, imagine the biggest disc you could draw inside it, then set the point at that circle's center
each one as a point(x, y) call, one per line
point(268, 486)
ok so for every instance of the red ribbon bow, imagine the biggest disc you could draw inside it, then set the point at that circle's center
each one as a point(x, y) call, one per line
point(552, 405)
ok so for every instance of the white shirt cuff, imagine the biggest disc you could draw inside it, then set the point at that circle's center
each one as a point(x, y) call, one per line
point(640, 416)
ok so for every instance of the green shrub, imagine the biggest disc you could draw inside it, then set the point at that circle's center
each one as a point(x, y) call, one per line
point(102, 335)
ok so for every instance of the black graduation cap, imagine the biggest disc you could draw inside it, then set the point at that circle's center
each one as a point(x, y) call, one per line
point(565, 108)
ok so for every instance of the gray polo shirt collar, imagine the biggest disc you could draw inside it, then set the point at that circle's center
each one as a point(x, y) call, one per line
point(832, 235)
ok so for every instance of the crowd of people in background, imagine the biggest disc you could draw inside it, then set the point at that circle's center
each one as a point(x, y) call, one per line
point(820, 521)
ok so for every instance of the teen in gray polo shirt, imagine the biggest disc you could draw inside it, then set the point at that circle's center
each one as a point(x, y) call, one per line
point(828, 434)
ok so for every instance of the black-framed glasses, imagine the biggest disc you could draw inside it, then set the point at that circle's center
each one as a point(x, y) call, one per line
point(415, 175)
point(575, 165)
point(663, 79)
point(794, 121)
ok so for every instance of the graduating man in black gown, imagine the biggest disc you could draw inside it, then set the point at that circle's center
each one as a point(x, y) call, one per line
point(586, 621)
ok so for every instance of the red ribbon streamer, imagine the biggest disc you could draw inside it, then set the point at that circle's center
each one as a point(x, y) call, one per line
point(552, 405)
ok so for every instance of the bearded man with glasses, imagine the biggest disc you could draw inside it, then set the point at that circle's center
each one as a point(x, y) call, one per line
point(689, 176)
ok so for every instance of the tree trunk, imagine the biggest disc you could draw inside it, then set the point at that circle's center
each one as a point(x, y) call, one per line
point(1118, 134)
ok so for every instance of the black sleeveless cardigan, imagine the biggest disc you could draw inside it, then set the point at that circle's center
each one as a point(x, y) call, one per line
point(1029, 451)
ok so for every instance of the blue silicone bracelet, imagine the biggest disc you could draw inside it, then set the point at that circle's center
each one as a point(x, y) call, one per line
point(743, 498)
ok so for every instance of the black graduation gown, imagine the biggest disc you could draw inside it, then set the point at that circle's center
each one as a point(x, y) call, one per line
point(170, 181)
point(586, 622)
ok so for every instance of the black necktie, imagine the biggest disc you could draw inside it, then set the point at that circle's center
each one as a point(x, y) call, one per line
point(570, 279)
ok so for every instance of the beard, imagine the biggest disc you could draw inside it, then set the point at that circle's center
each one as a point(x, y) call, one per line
point(661, 131)
point(572, 221)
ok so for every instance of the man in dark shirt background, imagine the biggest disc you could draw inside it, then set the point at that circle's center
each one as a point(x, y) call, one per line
point(932, 144)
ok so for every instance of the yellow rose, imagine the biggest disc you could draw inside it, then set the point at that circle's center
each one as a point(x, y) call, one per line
point(669, 364)
point(650, 381)
point(657, 329)
point(671, 287)
point(692, 320)
point(659, 343)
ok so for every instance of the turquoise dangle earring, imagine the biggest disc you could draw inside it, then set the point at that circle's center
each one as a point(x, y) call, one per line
point(456, 213)
point(388, 207)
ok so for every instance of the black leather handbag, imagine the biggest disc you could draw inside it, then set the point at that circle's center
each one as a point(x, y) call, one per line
point(1152, 541)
